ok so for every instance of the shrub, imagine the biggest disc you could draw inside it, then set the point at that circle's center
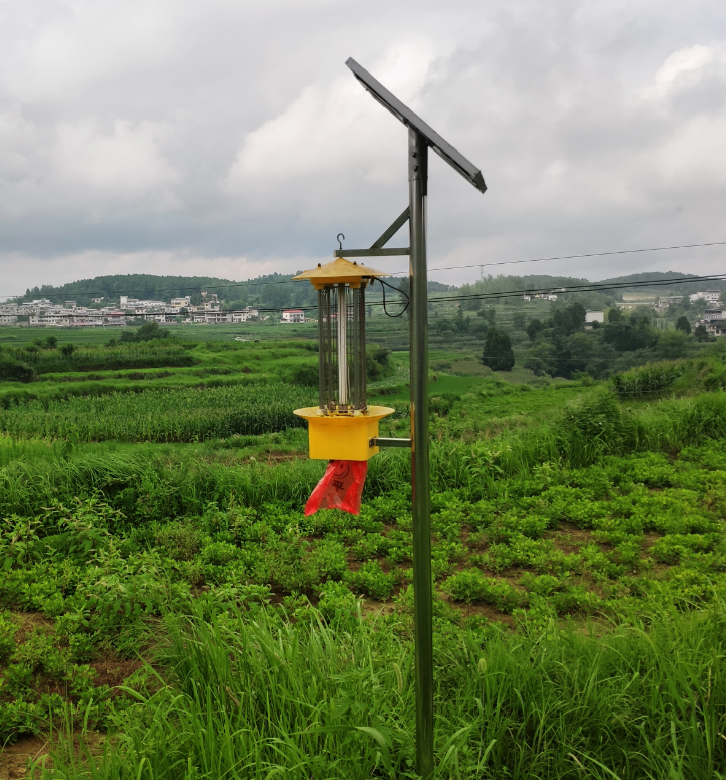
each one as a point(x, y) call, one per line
point(648, 380)
point(8, 629)
point(14, 371)
point(181, 541)
point(372, 580)
point(471, 585)
point(147, 332)
point(378, 362)
point(305, 376)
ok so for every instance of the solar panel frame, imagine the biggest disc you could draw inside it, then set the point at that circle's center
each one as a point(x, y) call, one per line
point(404, 114)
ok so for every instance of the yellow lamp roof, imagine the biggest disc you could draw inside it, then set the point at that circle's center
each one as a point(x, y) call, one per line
point(339, 271)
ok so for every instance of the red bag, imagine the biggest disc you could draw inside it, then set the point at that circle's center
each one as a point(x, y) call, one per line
point(340, 488)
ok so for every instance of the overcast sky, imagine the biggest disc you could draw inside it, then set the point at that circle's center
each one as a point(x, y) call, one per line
point(227, 137)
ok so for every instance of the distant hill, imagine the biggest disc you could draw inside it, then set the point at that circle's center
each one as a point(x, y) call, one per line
point(142, 286)
point(269, 290)
point(680, 288)
point(277, 290)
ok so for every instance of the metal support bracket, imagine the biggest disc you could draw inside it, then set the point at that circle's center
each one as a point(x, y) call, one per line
point(377, 252)
point(391, 231)
point(389, 443)
point(377, 248)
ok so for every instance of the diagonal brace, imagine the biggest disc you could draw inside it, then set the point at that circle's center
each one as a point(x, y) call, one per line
point(399, 222)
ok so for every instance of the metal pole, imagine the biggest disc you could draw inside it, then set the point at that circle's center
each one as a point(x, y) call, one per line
point(419, 366)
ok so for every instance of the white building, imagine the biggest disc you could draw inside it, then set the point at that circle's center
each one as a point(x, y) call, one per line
point(211, 317)
point(710, 296)
point(182, 302)
point(293, 315)
point(593, 316)
point(216, 317)
point(8, 314)
point(55, 316)
point(136, 305)
point(669, 300)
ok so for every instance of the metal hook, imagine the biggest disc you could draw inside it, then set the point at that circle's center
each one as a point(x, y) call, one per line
point(340, 243)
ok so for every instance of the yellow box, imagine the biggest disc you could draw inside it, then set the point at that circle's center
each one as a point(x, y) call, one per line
point(342, 436)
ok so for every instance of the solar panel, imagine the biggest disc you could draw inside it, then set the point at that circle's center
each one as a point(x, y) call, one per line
point(404, 114)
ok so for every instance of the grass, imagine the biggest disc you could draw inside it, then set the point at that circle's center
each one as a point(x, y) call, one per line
point(246, 698)
point(578, 553)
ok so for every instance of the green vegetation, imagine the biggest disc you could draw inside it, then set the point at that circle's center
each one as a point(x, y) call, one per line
point(168, 611)
point(179, 416)
point(498, 354)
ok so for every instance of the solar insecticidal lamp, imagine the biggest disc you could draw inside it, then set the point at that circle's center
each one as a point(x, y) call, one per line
point(342, 427)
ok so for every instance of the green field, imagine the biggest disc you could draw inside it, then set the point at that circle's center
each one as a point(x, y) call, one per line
point(168, 611)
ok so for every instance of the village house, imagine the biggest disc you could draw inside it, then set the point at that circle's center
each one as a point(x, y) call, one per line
point(293, 315)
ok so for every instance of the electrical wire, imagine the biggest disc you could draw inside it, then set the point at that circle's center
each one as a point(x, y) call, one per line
point(593, 287)
point(574, 257)
point(385, 310)
point(396, 273)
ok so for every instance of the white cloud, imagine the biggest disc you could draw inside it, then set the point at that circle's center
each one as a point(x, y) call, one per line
point(687, 67)
point(331, 138)
point(159, 132)
point(81, 167)
point(55, 47)
point(123, 164)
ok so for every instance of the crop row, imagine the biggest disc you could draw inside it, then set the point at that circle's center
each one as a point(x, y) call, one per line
point(161, 416)
point(86, 354)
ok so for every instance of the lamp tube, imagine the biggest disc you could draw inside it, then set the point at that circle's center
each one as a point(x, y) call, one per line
point(342, 346)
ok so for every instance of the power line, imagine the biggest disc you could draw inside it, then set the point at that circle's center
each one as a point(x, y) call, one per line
point(397, 273)
point(593, 287)
point(574, 257)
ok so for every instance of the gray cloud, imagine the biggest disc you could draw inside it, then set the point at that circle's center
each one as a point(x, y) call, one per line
point(229, 138)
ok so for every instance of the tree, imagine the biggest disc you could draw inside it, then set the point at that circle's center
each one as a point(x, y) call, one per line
point(519, 320)
point(461, 325)
point(570, 319)
point(146, 332)
point(536, 366)
point(701, 333)
point(684, 325)
point(629, 336)
point(151, 330)
point(498, 353)
point(478, 328)
point(533, 329)
point(615, 315)
point(51, 342)
point(672, 344)
point(67, 350)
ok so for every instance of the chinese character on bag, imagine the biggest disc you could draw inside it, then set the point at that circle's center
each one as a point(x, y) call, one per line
point(340, 488)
